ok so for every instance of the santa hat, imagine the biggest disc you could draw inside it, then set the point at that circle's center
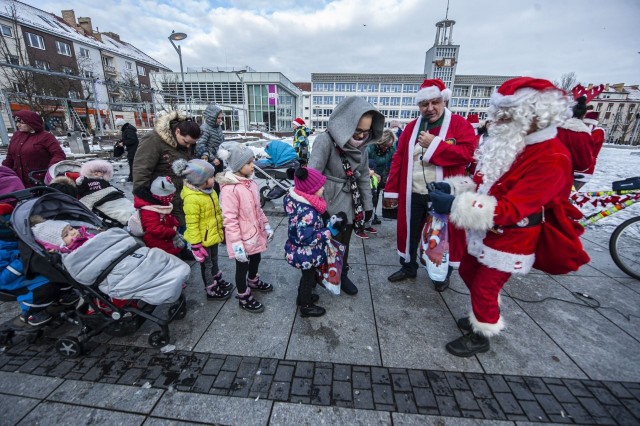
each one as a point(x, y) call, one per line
point(474, 120)
point(50, 232)
point(432, 89)
point(298, 122)
point(591, 117)
point(514, 91)
point(93, 166)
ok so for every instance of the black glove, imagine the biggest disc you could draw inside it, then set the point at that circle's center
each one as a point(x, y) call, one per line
point(441, 202)
point(368, 215)
point(439, 186)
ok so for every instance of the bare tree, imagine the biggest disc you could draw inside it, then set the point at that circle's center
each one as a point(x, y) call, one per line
point(40, 91)
point(567, 81)
point(169, 83)
point(129, 88)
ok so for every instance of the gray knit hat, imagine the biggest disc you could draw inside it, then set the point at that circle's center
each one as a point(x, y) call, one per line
point(236, 157)
point(50, 231)
point(162, 186)
point(196, 172)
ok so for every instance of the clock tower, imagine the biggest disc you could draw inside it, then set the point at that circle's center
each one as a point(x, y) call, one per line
point(440, 61)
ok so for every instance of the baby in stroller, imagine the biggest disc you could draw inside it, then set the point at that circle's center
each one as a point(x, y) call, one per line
point(95, 192)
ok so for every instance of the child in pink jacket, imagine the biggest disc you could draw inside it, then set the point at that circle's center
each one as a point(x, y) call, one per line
point(246, 227)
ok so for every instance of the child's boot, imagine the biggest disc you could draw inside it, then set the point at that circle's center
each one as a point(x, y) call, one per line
point(258, 285)
point(248, 303)
point(226, 285)
point(215, 291)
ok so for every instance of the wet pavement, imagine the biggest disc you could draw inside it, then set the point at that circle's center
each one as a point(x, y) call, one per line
point(374, 358)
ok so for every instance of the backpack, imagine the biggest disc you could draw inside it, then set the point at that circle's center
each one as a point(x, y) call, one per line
point(134, 225)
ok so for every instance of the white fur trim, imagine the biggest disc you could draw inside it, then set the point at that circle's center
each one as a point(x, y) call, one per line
point(432, 92)
point(541, 135)
point(502, 101)
point(390, 195)
point(461, 184)
point(471, 210)
point(590, 121)
point(485, 328)
point(575, 125)
point(511, 263)
point(426, 158)
point(297, 197)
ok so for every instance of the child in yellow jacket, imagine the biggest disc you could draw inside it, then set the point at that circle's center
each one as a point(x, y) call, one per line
point(203, 218)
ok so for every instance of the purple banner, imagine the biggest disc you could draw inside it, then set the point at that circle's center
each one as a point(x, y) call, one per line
point(273, 94)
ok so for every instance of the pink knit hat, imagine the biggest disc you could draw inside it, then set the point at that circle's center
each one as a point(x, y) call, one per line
point(308, 180)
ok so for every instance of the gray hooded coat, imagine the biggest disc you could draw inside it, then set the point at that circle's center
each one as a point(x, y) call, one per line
point(325, 158)
point(212, 135)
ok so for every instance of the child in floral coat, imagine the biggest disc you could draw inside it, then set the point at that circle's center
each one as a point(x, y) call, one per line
point(307, 234)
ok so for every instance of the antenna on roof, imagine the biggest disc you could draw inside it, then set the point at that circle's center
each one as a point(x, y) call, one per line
point(446, 15)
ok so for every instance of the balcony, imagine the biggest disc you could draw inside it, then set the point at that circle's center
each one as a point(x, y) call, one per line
point(108, 69)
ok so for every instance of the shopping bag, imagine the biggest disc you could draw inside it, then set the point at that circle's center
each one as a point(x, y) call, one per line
point(434, 246)
point(328, 275)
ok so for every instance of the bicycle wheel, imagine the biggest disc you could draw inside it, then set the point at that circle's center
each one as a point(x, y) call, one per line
point(624, 247)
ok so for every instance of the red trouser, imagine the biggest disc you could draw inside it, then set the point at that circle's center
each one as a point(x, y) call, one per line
point(484, 284)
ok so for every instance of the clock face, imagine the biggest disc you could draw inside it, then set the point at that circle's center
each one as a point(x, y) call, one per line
point(447, 62)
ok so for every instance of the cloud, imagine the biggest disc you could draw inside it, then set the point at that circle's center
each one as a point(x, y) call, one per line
point(545, 38)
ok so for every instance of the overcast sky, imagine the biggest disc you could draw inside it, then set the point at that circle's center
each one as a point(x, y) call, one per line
point(598, 40)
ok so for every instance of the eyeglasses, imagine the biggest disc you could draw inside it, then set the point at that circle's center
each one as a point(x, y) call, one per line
point(364, 133)
point(18, 120)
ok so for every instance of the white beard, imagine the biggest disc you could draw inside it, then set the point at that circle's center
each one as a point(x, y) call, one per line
point(499, 150)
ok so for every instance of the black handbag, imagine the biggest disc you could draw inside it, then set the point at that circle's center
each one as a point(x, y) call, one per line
point(118, 150)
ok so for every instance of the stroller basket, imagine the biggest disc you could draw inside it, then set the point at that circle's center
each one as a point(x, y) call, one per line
point(277, 181)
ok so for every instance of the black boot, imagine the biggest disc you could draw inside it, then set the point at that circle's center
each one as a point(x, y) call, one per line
point(443, 285)
point(346, 284)
point(312, 311)
point(464, 324)
point(314, 299)
point(468, 345)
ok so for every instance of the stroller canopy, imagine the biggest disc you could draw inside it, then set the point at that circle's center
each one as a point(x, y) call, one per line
point(280, 153)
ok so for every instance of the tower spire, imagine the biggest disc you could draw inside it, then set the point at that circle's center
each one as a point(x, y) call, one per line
point(446, 15)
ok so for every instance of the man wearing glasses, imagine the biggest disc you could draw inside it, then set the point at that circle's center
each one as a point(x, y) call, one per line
point(436, 145)
point(31, 148)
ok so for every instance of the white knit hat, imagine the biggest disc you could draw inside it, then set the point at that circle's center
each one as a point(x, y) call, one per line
point(236, 157)
point(50, 231)
point(120, 122)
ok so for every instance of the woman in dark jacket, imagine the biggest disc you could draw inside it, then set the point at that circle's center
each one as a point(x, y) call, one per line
point(380, 154)
point(130, 141)
point(172, 138)
point(31, 148)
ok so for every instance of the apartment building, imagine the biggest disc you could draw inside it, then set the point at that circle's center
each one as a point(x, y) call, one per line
point(619, 108)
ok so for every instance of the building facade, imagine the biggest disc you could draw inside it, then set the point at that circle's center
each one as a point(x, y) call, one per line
point(619, 108)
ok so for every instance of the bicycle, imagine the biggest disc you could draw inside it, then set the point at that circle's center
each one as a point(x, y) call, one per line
point(624, 244)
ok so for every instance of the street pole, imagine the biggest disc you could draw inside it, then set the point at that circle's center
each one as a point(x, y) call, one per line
point(97, 106)
point(3, 128)
point(245, 111)
point(177, 37)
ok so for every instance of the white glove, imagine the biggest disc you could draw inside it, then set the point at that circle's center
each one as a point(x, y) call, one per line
point(239, 253)
point(269, 232)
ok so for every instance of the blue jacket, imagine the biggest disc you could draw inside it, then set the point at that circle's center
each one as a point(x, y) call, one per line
point(307, 235)
point(11, 268)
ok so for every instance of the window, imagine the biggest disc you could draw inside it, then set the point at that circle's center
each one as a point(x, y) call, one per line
point(7, 31)
point(142, 71)
point(391, 88)
point(367, 87)
point(67, 70)
point(406, 101)
point(620, 106)
point(461, 91)
point(408, 114)
point(43, 65)
point(73, 94)
point(475, 103)
point(339, 99)
point(87, 74)
point(631, 108)
point(385, 100)
point(373, 100)
point(323, 87)
point(609, 107)
point(317, 100)
point(345, 87)
point(484, 103)
point(84, 52)
point(34, 40)
point(482, 92)
point(12, 59)
point(63, 48)
point(410, 88)
point(599, 107)
point(128, 66)
point(19, 88)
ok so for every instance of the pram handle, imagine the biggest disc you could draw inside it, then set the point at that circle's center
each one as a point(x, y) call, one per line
point(28, 193)
point(37, 172)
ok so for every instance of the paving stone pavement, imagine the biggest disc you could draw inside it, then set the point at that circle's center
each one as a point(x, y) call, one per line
point(376, 358)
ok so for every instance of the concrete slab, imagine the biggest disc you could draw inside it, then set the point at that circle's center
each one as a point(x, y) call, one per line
point(380, 249)
point(111, 397)
point(345, 334)
point(26, 385)
point(15, 408)
point(213, 409)
point(298, 414)
point(266, 334)
point(414, 324)
point(53, 413)
point(154, 421)
point(276, 246)
point(598, 346)
point(423, 420)
point(600, 257)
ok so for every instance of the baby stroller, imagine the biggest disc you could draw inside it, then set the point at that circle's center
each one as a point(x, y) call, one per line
point(98, 312)
point(274, 170)
point(68, 168)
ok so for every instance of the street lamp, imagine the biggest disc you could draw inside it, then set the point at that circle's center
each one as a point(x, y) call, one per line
point(245, 112)
point(178, 37)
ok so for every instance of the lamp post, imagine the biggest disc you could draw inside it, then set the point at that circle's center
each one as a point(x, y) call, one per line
point(245, 111)
point(178, 37)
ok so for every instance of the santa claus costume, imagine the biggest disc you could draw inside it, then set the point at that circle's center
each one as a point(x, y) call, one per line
point(450, 153)
point(520, 177)
point(576, 136)
point(597, 137)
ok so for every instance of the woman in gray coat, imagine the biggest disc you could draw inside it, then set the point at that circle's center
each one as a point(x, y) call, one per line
point(341, 155)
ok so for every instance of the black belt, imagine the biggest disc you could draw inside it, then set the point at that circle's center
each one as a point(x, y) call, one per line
point(528, 222)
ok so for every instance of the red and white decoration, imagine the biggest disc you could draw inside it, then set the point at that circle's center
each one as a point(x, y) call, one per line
point(432, 89)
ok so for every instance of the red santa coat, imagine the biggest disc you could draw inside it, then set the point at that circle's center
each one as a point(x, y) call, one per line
point(597, 137)
point(576, 136)
point(538, 178)
point(451, 151)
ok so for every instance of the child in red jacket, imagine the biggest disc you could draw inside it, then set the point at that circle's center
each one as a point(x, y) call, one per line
point(159, 225)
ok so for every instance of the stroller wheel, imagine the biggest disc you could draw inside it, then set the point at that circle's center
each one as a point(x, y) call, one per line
point(68, 347)
point(157, 339)
point(263, 195)
point(178, 312)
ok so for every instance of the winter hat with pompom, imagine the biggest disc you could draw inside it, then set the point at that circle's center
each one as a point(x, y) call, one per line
point(163, 189)
point(236, 156)
point(308, 180)
point(196, 172)
point(88, 169)
point(50, 232)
